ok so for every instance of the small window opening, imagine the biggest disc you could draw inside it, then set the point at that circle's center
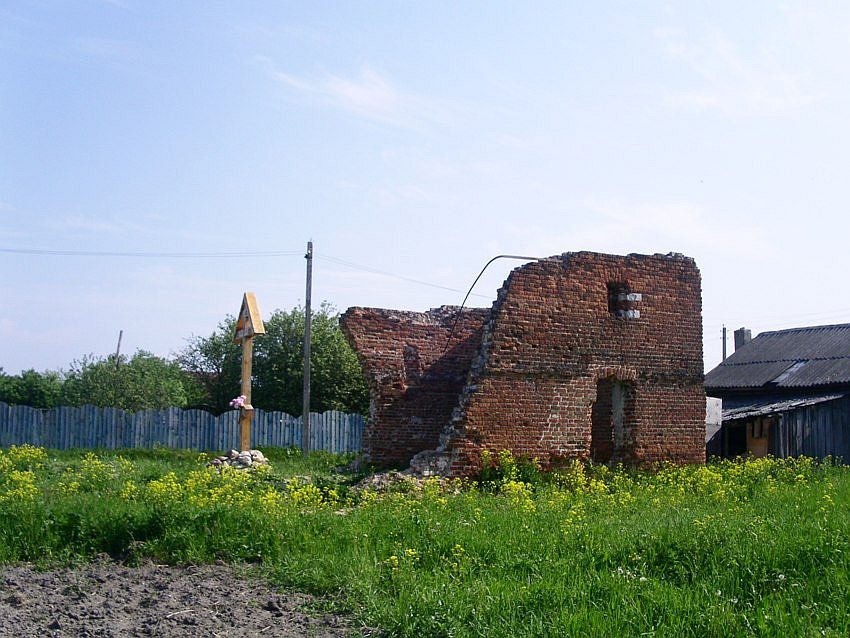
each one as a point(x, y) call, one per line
point(614, 292)
point(622, 301)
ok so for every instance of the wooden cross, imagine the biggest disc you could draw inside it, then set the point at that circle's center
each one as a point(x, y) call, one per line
point(248, 323)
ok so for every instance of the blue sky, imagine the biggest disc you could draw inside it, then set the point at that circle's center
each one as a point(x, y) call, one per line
point(418, 139)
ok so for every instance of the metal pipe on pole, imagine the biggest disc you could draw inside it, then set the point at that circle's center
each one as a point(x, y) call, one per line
point(305, 412)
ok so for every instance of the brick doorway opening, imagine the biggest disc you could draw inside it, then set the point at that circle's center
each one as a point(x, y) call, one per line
point(611, 420)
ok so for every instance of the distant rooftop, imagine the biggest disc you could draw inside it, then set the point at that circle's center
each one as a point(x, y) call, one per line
point(797, 358)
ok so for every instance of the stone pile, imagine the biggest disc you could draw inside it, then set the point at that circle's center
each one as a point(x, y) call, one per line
point(403, 482)
point(240, 460)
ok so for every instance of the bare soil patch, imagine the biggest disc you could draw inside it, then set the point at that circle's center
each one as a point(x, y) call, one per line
point(109, 599)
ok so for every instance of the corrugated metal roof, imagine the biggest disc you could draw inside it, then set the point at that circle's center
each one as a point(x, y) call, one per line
point(796, 358)
point(817, 342)
point(758, 408)
point(752, 375)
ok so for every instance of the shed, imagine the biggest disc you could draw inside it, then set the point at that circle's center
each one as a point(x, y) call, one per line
point(785, 393)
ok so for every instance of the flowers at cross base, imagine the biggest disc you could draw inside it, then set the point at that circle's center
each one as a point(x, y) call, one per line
point(238, 402)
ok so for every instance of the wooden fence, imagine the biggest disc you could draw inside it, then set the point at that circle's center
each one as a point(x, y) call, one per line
point(111, 428)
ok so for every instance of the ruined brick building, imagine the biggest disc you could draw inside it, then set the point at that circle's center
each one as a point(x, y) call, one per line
point(583, 355)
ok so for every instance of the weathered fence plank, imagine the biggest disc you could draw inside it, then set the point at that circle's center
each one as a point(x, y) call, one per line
point(112, 428)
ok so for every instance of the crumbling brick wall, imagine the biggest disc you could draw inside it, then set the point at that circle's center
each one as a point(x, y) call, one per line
point(415, 375)
point(583, 355)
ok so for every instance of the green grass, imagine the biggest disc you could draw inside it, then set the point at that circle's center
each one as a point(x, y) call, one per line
point(753, 548)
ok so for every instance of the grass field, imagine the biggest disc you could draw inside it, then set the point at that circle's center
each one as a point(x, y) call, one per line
point(759, 547)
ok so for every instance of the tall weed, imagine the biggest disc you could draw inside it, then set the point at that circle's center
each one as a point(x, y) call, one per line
point(750, 547)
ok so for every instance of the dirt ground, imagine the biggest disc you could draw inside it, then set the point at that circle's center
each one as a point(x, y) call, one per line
point(109, 599)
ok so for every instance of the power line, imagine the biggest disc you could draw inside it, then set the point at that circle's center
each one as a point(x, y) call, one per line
point(225, 255)
point(770, 323)
point(796, 315)
point(145, 254)
point(376, 271)
point(469, 292)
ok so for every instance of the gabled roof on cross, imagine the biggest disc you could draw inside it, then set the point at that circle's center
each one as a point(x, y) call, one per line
point(249, 322)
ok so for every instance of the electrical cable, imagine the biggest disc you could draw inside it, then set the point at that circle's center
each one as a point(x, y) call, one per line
point(181, 255)
point(224, 255)
point(769, 324)
point(755, 324)
point(343, 262)
point(468, 292)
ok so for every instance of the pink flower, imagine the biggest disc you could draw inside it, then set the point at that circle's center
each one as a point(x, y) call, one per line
point(238, 402)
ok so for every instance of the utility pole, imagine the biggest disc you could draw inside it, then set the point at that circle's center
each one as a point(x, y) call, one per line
point(305, 413)
point(724, 342)
point(118, 349)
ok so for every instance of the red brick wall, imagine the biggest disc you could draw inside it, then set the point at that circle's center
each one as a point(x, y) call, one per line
point(414, 379)
point(552, 338)
point(535, 366)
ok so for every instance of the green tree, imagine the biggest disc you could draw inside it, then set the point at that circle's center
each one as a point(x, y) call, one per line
point(140, 382)
point(35, 389)
point(215, 363)
point(337, 382)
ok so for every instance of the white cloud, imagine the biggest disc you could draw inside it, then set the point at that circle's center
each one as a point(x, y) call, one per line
point(369, 95)
point(728, 81)
point(37, 225)
point(95, 225)
point(10, 214)
point(671, 219)
point(393, 196)
point(108, 48)
point(676, 226)
point(8, 330)
point(12, 235)
point(122, 4)
point(614, 226)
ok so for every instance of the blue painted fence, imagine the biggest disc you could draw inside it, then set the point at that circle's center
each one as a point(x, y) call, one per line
point(111, 428)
